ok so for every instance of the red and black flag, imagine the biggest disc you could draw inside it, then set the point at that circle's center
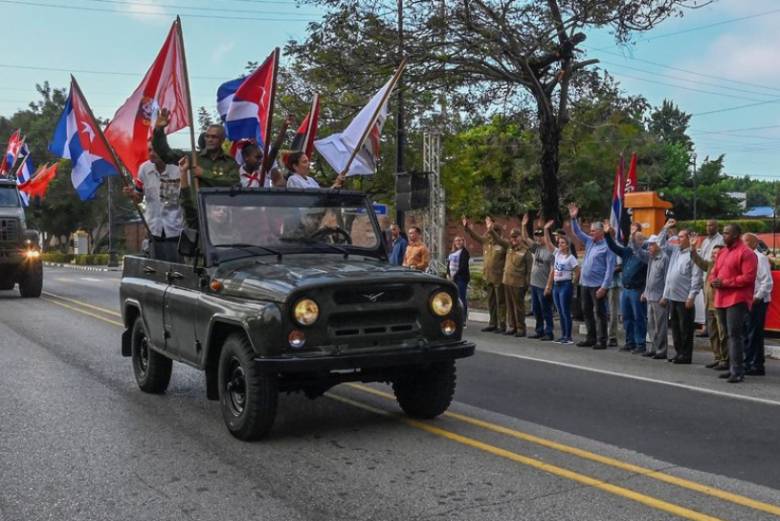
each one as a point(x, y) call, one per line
point(307, 132)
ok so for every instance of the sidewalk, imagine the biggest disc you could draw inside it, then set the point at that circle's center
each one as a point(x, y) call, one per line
point(481, 315)
point(80, 267)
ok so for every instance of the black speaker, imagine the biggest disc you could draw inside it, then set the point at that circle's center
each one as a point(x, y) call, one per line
point(412, 190)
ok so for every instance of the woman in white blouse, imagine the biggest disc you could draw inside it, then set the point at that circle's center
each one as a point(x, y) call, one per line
point(299, 165)
point(563, 277)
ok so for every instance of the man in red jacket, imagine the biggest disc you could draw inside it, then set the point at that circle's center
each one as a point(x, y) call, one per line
point(733, 278)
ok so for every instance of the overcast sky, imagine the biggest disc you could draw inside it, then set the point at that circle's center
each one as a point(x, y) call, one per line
point(715, 59)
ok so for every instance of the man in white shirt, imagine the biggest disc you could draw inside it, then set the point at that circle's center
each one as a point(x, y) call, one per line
point(158, 184)
point(762, 295)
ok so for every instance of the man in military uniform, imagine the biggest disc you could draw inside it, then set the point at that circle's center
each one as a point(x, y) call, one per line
point(516, 279)
point(215, 167)
point(494, 255)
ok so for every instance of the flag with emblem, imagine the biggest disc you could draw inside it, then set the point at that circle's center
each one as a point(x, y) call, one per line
point(164, 86)
point(25, 171)
point(307, 132)
point(355, 151)
point(78, 137)
point(616, 212)
point(11, 152)
point(245, 105)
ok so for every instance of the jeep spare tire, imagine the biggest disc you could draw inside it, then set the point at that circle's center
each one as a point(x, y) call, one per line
point(247, 397)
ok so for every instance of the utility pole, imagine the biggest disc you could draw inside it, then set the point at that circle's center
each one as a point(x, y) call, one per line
point(694, 186)
point(400, 133)
point(112, 260)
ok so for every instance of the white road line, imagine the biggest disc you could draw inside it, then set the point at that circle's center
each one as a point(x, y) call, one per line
point(723, 394)
point(91, 279)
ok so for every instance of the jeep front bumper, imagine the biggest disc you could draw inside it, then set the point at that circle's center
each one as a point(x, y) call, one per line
point(388, 357)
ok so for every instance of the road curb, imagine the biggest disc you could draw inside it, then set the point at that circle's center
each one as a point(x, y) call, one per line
point(770, 351)
point(80, 268)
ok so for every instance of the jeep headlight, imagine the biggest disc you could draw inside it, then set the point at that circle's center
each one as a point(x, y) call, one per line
point(441, 303)
point(306, 312)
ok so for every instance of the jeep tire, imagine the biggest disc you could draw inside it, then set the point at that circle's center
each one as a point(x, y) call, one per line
point(247, 396)
point(426, 392)
point(31, 281)
point(152, 370)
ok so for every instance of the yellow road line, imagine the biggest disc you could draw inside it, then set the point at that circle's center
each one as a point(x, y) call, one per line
point(605, 460)
point(646, 500)
point(84, 312)
point(84, 304)
point(650, 473)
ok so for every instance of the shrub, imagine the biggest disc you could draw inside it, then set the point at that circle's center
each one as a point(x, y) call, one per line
point(747, 225)
point(57, 257)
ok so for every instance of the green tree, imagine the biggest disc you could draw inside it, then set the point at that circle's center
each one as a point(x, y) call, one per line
point(669, 124)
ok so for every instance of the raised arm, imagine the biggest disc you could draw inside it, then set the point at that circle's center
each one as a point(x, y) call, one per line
point(471, 233)
point(617, 249)
point(498, 239)
point(524, 230)
point(642, 254)
point(574, 212)
point(663, 236)
point(548, 243)
point(160, 140)
point(701, 263)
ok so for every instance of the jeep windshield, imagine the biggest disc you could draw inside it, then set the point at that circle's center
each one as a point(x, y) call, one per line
point(281, 222)
point(8, 196)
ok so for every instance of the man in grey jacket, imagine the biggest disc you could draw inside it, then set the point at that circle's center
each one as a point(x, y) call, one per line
point(683, 282)
point(657, 315)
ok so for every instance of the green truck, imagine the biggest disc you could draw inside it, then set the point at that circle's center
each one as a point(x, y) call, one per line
point(20, 254)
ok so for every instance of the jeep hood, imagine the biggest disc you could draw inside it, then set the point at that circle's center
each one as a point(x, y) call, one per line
point(266, 279)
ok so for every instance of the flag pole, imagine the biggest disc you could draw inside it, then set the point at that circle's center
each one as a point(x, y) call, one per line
point(267, 145)
point(118, 162)
point(372, 122)
point(314, 104)
point(194, 181)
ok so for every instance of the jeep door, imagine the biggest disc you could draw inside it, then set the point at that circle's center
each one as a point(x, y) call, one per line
point(149, 284)
point(181, 306)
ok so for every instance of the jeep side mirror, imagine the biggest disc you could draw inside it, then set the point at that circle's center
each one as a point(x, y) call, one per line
point(188, 243)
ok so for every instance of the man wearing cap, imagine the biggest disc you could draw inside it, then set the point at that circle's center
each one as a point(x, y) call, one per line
point(657, 314)
point(598, 266)
point(494, 256)
point(540, 272)
point(633, 278)
point(517, 277)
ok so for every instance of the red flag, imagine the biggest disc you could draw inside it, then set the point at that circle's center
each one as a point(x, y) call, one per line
point(39, 183)
point(164, 86)
point(631, 184)
point(307, 132)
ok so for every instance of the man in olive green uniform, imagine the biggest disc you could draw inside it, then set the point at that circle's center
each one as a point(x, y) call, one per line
point(494, 255)
point(516, 279)
point(215, 167)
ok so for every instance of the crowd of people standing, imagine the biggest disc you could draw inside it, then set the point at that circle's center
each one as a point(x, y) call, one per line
point(655, 281)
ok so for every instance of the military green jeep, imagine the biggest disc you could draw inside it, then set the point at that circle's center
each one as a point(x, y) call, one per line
point(20, 255)
point(290, 291)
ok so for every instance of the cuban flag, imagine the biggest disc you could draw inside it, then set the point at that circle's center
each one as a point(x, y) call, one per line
point(616, 213)
point(25, 172)
point(244, 104)
point(77, 137)
point(15, 143)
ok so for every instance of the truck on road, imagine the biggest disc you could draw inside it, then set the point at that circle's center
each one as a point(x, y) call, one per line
point(20, 254)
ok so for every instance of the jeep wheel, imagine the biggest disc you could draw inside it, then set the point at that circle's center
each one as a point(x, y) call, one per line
point(426, 392)
point(247, 397)
point(152, 370)
point(31, 283)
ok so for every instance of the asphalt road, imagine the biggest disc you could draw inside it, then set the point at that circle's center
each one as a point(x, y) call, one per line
point(537, 432)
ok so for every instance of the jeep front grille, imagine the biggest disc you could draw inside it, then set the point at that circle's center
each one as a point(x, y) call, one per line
point(366, 323)
point(9, 230)
point(373, 295)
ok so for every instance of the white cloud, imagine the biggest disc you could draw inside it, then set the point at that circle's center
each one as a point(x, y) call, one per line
point(146, 12)
point(221, 50)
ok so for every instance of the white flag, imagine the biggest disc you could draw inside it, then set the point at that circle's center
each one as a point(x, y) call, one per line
point(337, 149)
